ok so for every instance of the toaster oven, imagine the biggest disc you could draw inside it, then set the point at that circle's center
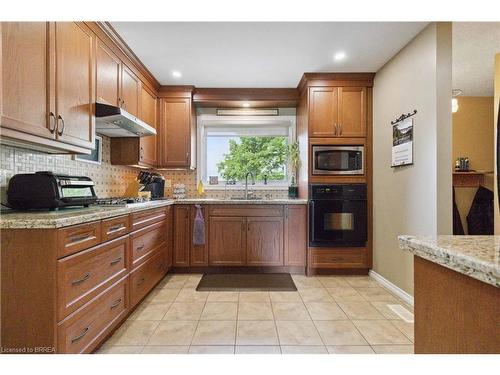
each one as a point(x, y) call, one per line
point(47, 190)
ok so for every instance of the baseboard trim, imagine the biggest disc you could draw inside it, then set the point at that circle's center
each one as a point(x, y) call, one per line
point(408, 298)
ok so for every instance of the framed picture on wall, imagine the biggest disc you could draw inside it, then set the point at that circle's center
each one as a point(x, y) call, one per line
point(402, 143)
point(95, 156)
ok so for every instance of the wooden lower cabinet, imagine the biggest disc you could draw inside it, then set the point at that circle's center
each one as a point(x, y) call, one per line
point(182, 236)
point(264, 241)
point(64, 290)
point(227, 241)
point(199, 253)
point(295, 235)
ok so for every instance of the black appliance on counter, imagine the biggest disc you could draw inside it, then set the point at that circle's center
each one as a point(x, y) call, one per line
point(338, 215)
point(153, 182)
point(47, 190)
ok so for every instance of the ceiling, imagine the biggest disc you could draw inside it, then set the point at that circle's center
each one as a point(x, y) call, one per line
point(267, 54)
point(474, 47)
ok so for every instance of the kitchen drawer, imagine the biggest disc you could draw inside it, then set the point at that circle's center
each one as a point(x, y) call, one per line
point(114, 227)
point(144, 218)
point(78, 237)
point(247, 210)
point(82, 331)
point(337, 258)
point(145, 277)
point(145, 241)
point(84, 275)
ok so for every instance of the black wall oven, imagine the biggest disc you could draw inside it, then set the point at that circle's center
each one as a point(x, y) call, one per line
point(338, 215)
point(337, 160)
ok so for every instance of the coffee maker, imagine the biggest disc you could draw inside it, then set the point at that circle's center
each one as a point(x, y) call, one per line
point(153, 182)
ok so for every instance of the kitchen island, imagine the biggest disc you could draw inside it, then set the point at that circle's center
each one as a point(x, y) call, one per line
point(457, 293)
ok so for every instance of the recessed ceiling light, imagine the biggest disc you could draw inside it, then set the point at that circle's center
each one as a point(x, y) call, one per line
point(339, 56)
point(246, 105)
point(177, 74)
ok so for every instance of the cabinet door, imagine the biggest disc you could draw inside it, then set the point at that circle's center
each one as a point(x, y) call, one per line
point(295, 235)
point(265, 241)
point(175, 143)
point(227, 241)
point(352, 112)
point(75, 76)
point(147, 114)
point(107, 75)
point(324, 111)
point(26, 103)
point(199, 253)
point(182, 236)
point(131, 90)
point(170, 236)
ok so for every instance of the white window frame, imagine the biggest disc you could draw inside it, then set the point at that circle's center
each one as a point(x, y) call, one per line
point(204, 120)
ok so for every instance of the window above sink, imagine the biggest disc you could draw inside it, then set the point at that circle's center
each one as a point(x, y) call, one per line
point(231, 146)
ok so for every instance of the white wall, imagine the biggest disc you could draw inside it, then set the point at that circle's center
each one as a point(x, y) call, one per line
point(414, 199)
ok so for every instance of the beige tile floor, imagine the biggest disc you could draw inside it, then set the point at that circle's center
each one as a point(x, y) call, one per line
point(328, 314)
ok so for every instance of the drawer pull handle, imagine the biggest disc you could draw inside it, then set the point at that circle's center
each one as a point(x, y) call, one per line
point(116, 304)
point(116, 228)
point(81, 335)
point(138, 248)
point(79, 281)
point(141, 281)
point(79, 238)
point(114, 261)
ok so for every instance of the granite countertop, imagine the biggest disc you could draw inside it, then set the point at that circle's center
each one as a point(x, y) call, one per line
point(474, 256)
point(10, 219)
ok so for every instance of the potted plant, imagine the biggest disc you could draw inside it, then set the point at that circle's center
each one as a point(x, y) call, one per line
point(294, 163)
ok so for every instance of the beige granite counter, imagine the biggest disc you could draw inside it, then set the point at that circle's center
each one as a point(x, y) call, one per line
point(72, 216)
point(474, 256)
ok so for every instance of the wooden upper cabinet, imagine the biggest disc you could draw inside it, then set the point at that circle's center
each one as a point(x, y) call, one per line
point(108, 73)
point(227, 241)
point(324, 111)
point(130, 91)
point(295, 235)
point(337, 112)
point(26, 101)
point(147, 113)
point(352, 113)
point(175, 138)
point(75, 77)
point(264, 241)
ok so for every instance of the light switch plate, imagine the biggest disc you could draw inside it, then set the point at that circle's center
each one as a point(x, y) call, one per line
point(168, 183)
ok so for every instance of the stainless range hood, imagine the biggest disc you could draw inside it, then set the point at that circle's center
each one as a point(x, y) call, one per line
point(114, 121)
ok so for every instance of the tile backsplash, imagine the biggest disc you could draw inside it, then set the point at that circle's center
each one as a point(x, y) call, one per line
point(110, 180)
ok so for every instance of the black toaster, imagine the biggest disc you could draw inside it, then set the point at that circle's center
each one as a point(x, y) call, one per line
point(47, 190)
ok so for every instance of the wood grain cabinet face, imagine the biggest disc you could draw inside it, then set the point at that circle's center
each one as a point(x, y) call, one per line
point(352, 114)
point(130, 91)
point(295, 235)
point(27, 103)
point(147, 113)
point(182, 236)
point(108, 74)
point(227, 241)
point(324, 111)
point(265, 241)
point(75, 77)
point(175, 138)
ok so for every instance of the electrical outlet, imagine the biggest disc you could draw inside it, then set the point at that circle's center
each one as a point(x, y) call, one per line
point(168, 183)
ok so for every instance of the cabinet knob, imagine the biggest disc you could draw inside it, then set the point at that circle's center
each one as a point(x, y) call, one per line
point(60, 132)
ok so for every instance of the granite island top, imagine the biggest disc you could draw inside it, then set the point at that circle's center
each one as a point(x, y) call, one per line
point(10, 219)
point(474, 256)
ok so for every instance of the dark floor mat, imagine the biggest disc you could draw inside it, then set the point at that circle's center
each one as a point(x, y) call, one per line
point(276, 282)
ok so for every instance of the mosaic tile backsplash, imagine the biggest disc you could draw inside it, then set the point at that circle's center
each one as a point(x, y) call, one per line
point(110, 180)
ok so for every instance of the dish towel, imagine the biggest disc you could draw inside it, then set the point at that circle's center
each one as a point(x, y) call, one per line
point(199, 227)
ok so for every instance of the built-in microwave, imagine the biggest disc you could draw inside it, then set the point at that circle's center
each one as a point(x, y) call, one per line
point(334, 160)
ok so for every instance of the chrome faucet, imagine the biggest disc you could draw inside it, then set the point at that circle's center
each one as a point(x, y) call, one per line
point(246, 182)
